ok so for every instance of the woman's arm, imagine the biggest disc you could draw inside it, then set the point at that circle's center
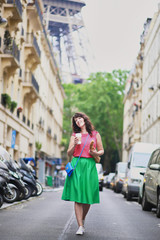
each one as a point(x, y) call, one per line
point(100, 150)
point(72, 145)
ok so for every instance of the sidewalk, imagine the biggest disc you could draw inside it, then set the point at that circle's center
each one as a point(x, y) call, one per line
point(45, 189)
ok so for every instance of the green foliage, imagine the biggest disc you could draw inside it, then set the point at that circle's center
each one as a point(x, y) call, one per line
point(38, 146)
point(7, 39)
point(6, 100)
point(101, 98)
point(13, 106)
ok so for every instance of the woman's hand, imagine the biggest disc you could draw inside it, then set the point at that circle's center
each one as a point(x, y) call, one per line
point(93, 152)
point(72, 145)
point(75, 141)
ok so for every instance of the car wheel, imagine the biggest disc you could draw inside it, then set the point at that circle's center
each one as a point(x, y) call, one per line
point(146, 206)
point(128, 196)
point(158, 205)
point(1, 200)
point(139, 200)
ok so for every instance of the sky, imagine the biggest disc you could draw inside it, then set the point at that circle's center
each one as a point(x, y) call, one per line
point(114, 28)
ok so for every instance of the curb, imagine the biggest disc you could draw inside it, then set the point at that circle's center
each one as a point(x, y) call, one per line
point(7, 205)
point(45, 189)
point(50, 189)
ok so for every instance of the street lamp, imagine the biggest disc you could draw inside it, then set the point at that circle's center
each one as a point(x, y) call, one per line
point(3, 22)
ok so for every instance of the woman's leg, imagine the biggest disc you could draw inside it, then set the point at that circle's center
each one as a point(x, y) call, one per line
point(79, 213)
point(85, 210)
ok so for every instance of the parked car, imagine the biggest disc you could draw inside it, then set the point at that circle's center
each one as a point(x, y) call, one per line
point(124, 187)
point(140, 193)
point(151, 184)
point(100, 175)
point(138, 159)
point(109, 179)
point(105, 177)
point(119, 176)
point(112, 183)
point(62, 177)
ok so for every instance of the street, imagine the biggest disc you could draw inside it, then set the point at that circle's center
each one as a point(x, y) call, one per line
point(48, 217)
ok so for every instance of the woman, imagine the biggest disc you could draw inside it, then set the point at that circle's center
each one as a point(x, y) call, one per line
point(82, 186)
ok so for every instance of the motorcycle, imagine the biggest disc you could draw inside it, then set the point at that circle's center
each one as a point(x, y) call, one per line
point(7, 191)
point(30, 162)
point(30, 182)
point(15, 177)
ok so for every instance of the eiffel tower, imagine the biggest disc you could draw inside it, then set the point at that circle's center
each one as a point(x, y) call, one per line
point(67, 33)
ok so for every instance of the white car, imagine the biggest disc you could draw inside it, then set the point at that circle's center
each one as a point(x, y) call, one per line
point(100, 175)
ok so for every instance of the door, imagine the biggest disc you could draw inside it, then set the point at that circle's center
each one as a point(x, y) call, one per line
point(150, 178)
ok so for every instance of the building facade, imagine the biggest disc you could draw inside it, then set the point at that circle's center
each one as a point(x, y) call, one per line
point(133, 100)
point(31, 109)
point(151, 84)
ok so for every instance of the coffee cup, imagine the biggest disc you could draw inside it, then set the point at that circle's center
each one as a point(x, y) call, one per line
point(79, 135)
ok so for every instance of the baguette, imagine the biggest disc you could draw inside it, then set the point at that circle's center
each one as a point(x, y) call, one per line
point(97, 158)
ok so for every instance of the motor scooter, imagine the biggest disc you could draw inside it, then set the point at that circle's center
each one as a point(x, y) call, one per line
point(7, 191)
point(30, 182)
point(30, 162)
point(14, 178)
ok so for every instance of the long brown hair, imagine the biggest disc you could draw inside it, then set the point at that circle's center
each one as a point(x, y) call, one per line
point(89, 125)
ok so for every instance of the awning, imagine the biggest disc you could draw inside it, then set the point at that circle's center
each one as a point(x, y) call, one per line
point(54, 161)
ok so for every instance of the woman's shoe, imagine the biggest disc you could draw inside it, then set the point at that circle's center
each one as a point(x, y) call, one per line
point(80, 231)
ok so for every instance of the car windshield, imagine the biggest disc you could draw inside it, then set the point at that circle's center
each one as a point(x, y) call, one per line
point(122, 168)
point(141, 159)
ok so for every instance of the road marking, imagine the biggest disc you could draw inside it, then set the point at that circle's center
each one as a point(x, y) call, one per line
point(67, 226)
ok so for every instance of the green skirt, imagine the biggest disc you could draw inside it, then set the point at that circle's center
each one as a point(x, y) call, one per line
point(82, 186)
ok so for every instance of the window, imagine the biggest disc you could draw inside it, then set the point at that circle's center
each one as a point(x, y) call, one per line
point(141, 159)
point(153, 157)
point(158, 158)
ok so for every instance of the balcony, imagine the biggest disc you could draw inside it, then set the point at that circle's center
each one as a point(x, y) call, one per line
point(35, 15)
point(50, 53)
point(10, 58)
point(30, 88)
point(13, 12)
point(32, 52)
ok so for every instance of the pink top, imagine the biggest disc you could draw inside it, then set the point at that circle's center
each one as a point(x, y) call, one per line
point(79, 147)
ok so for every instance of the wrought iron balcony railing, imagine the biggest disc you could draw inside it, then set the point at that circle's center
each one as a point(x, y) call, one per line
point(32, 40)
point(39, 11)
point(51, 52)
point(35, 84)
point(22, 31)
point(29, 78)
point(13, 50)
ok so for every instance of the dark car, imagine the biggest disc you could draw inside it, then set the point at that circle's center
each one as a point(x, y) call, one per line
point(151, 184)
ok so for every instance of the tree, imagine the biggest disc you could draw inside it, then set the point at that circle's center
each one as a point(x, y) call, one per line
point(69, 110)
point(101, 98)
